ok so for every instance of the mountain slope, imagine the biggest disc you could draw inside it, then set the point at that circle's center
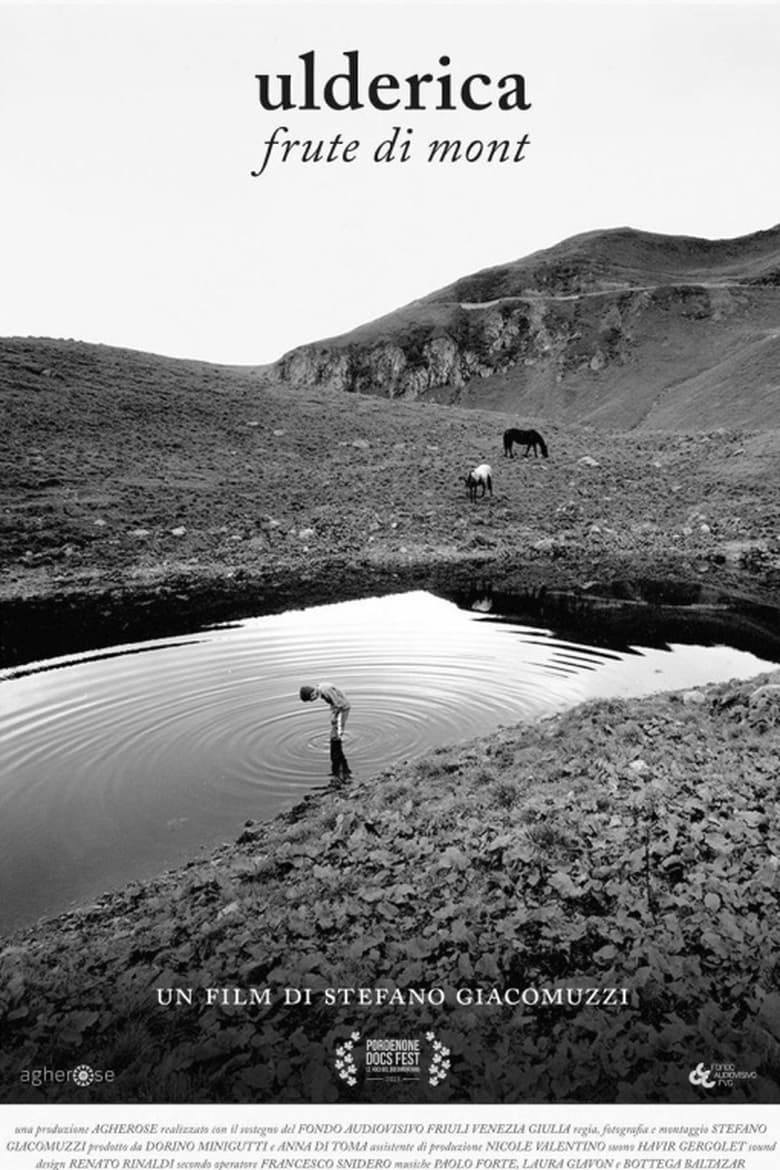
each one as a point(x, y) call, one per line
point(615, 328)
point(601, 261)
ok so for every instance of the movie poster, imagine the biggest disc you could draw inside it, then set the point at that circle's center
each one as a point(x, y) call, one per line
point(390, 620)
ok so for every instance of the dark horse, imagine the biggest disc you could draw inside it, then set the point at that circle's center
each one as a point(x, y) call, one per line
point(530, 438)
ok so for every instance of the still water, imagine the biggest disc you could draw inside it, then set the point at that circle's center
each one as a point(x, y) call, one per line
point(119, 763)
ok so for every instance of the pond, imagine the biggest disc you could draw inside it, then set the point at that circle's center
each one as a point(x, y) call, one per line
point(122, 762)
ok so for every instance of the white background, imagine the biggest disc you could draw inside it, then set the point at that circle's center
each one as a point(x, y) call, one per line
point(128, 133)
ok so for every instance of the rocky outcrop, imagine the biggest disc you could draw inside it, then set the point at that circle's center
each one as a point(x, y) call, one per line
point(557, 337)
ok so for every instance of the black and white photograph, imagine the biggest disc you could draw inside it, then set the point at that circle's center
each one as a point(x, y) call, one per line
point(391, 559)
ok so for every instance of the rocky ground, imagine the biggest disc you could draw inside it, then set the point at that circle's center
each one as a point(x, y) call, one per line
point(630, 844)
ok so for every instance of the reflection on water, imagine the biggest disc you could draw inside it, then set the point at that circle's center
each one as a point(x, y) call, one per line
point(118, 764)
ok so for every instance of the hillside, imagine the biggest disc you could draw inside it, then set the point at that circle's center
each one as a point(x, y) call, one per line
point(134, 483)
point(616, 328)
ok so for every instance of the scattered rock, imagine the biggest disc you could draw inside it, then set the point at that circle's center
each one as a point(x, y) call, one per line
point(251, 833)
point(694, 698)
point(769, 1013)
point(588, 461)
point(180, 531)
point(764, 703)
point(361, 444)
point(231, 908)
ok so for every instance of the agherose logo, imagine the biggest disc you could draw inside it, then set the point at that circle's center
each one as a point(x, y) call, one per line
point(392, 1058)
point(719, 1076)
point(83, 1075)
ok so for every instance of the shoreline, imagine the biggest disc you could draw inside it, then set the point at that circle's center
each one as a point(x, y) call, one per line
point(72, 615)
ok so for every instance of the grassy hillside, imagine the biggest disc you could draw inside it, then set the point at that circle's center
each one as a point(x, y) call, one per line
point(125, 469)
point(615, 328)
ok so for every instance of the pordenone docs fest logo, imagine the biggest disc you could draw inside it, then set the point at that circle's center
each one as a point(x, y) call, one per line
point(392, 1058)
